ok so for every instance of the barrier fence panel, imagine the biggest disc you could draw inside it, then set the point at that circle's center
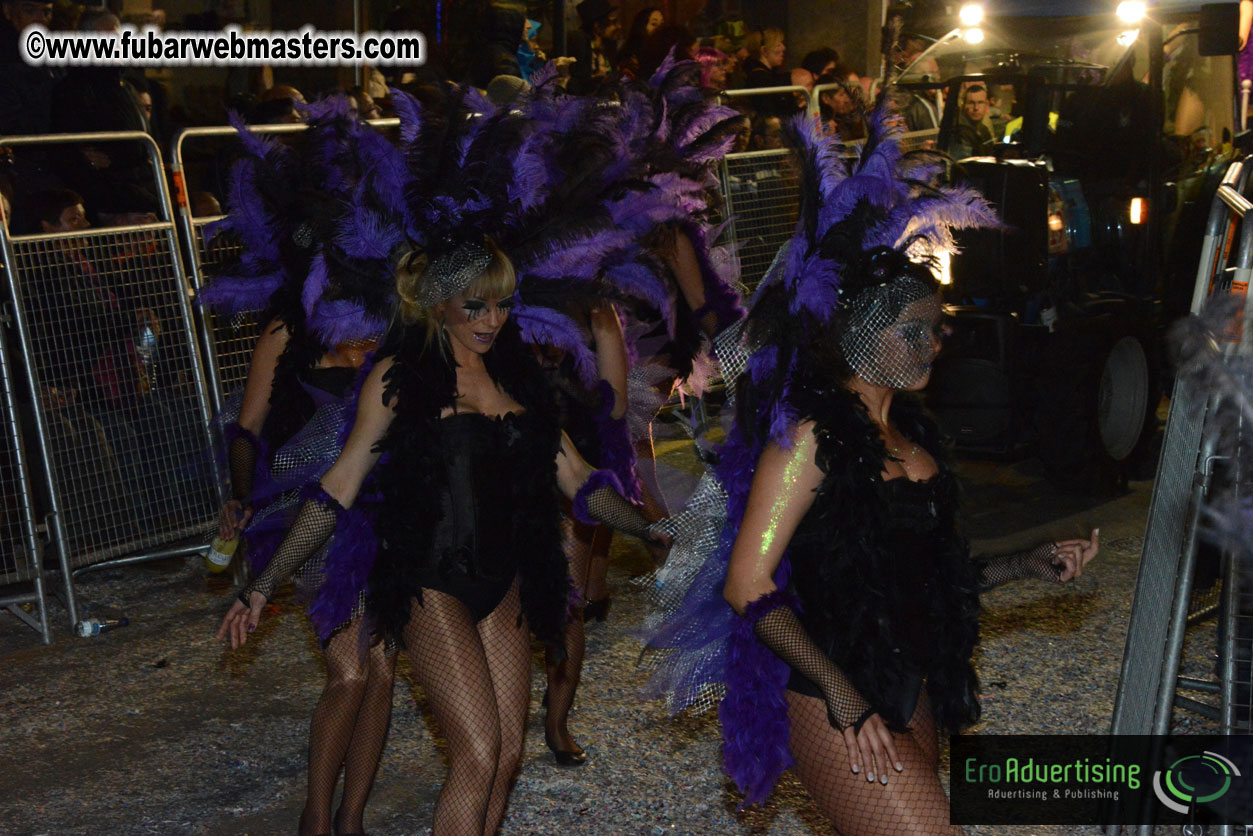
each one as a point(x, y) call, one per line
point(21, 549)
point(115, 383)
point(761, 195)
point(1193, 444)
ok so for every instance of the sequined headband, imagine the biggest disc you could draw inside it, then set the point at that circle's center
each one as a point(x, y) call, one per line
point(452, 271)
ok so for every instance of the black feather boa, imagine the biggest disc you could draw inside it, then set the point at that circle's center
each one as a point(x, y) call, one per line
point(840, 564)
point(291, 406)
point(420, 384)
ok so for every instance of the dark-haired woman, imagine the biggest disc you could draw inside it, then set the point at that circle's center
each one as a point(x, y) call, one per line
point(879, 617)
point(288, 418)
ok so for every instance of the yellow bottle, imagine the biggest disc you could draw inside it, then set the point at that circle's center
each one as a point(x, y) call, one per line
point(218, 558)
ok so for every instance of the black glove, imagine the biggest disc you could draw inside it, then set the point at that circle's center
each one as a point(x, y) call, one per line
point(780, 630)
point(1036, 562)
point(315, 522)
point(600, 500)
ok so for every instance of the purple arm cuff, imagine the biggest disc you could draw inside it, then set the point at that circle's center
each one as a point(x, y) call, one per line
point(599, 479)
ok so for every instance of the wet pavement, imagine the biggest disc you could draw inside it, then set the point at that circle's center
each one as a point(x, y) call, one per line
point(155, 729)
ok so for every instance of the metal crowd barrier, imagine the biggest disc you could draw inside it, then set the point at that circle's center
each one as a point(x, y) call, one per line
point(21, 546)
point(761, 198)
point(227, 342)
point(1149, 685)
point(114, 383)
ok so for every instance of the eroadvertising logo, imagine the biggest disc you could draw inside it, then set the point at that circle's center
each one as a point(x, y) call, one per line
point(1100, 780)
point(1193, 780)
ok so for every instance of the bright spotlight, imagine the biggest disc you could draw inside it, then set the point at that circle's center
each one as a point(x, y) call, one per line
point(971, 14)
point(973, 36)
point(1131, 11)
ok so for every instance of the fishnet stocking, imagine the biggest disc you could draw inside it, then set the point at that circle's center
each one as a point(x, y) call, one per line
point(348, 731)
point(1036, 562)
point(912, 803)
point(476, 678)
point(242, 461)
point(563, 679)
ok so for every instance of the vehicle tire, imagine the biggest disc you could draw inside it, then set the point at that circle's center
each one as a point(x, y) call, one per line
point(1097, 413)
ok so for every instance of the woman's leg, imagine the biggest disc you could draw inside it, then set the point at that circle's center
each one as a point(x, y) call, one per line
point(597, 586)
point(563, 679)
point(368, 736)
point(507, 643)
point(912, 803)
point(450, 663)
point(332, 727)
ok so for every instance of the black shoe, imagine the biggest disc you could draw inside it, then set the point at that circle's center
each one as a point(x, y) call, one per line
point(565, 757)
point(596, 610)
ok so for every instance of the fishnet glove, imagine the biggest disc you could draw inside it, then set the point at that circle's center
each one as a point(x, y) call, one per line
point(1036, 562)
point(242, 460)
point(600, 500)
point(315, 522)
point(780, 630)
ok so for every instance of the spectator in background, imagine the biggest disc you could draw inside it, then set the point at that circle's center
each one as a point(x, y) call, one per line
point(1002, 102)
point(530, 56)
point(6, 201)
point(205, 205)
point(363, 103)
point(116, 178)
point(594, 46)
point(730, 39)
point(659, 45)
point(278, 106)
point(842, 106)
point(502, 30)
point(820, 61)
point(26, 93)
point(766, 54)
point(973, 133)
point(713, 69)
point(647, 21)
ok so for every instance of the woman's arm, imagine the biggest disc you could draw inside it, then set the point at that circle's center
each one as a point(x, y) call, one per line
point(316, 519)
point(783, 490)
point(1246, 18)
point(242, 447)
point(611, 354)
point(597, 497)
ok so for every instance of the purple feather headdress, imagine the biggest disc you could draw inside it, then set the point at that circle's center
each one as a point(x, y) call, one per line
point(318, 218)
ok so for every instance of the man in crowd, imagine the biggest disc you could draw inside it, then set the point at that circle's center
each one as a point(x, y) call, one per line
point(973, 134)
point(594, 46)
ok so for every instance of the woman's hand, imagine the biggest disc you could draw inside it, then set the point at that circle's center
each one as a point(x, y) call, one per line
point(241, 620)
point(1073, 555)
point(871, 751)
point(659, 542)
point(233, 520)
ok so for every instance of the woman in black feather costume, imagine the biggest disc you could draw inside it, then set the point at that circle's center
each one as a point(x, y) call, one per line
point(853, 598)
point(473, 466)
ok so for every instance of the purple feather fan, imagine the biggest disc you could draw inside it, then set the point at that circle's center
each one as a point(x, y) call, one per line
point(544, 326)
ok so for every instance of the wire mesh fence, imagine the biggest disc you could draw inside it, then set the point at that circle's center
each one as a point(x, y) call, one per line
point(118, 388)
point(233, 336)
